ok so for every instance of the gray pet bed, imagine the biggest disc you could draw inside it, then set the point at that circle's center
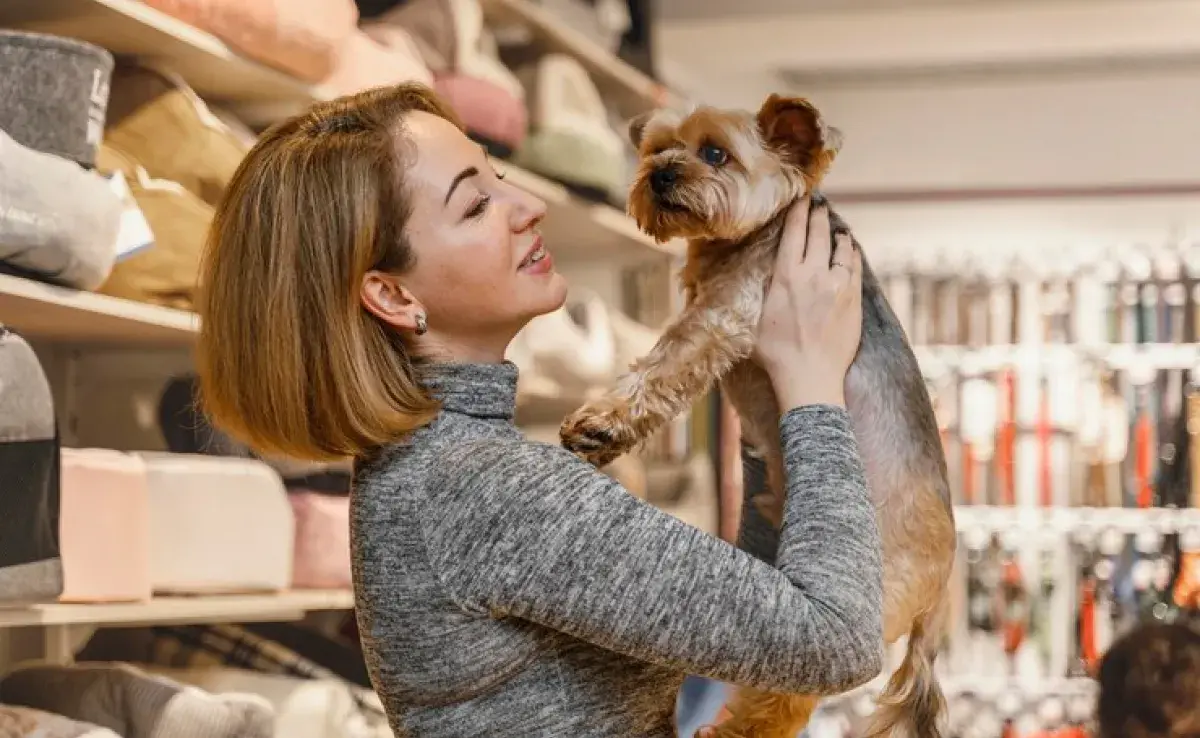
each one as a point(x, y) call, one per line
point(55, 93)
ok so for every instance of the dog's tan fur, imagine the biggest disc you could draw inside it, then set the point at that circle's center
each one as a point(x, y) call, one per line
point(732, 211)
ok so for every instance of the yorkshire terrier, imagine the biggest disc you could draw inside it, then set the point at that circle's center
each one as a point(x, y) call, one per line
point(724, 180)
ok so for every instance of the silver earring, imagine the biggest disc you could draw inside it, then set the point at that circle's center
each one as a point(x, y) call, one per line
point(422, 326)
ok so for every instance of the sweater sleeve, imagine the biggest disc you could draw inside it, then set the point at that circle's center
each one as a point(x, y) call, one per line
point(538, 535)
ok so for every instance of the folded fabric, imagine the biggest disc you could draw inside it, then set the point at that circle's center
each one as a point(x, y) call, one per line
point(25, 722)
point(30, 567)
point(135, 704)
point(58, 221)
point(166, 273)
point(55, 91)
point(300, 37)
point(157, 120)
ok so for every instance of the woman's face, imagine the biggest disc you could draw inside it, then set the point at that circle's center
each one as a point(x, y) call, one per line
point(481, 270)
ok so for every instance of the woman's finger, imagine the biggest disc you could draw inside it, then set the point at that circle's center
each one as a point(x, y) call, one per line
point(791, 246)
point(844, 258)
point(820, 240)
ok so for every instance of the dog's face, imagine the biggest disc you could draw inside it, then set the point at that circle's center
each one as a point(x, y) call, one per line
point(720, 174)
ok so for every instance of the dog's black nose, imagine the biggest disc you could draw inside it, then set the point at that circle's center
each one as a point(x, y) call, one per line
point(663, 179)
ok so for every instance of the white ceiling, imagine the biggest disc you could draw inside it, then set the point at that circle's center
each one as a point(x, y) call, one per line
point(735, 52)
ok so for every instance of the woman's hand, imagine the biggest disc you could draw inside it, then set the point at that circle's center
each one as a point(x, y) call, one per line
point(812, 315)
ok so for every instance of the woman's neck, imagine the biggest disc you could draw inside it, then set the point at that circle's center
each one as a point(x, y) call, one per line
point(448, 350)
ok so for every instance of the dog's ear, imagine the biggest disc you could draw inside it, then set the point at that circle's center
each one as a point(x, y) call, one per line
point(637, 127)
point(793, 126)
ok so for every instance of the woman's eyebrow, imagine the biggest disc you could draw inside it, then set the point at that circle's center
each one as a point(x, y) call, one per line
point(464, 174)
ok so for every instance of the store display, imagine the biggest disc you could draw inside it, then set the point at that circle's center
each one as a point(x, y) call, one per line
point(166, 272)
point(135, 704)
point(55, 93)
point(301, 37)
point(24, 722)
point(570, 139)
point(467, 69)
point(159, 123)
point(217, 525)
point(30, 564)
point(59, 222)
point(104, 526)
point(322, 539)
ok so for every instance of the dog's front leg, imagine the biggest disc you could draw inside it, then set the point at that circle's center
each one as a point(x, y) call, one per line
point(694, 352)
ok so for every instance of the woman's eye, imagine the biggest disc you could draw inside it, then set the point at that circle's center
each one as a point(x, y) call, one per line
point(479, 207)
point(713, 155)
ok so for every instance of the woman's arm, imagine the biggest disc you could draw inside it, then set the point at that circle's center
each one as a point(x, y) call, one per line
point(531, 532)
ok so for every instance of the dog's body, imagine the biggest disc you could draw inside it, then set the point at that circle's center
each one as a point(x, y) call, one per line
point(730, 261)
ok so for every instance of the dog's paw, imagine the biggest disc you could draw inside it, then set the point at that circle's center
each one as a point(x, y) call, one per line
point(599, 432)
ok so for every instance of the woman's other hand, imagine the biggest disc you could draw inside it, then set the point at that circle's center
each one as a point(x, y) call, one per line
point(812, 315)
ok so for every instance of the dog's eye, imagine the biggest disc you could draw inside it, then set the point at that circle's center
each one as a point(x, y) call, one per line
point(713, 155)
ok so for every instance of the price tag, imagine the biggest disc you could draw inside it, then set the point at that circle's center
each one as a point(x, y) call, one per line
point(134, 234)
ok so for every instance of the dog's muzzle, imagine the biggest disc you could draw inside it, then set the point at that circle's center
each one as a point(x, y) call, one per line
point(662, 180)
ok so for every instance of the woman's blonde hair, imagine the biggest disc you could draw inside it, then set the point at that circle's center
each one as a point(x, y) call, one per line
point(289, 360)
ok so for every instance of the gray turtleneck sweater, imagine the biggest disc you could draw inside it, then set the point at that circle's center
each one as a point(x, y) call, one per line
point(507, 589)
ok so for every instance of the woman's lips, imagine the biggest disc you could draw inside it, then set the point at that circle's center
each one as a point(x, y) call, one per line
point(538, 261)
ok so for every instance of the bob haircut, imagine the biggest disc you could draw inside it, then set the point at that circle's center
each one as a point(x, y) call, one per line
point(289, 361)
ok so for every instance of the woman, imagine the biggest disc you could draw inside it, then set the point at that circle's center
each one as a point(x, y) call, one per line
point(366, 272)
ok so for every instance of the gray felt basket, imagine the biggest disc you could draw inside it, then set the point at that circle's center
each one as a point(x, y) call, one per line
point(54, 93)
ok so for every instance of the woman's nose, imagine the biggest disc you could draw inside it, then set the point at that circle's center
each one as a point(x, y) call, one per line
point(527, 210)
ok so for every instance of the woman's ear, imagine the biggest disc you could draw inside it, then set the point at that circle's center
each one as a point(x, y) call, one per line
point(388, 300)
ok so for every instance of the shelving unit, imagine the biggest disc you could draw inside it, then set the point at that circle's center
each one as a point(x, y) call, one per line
point(130, 27)
point(133, 338)
point(631, 90)
point(42, 311)
point(279, 606)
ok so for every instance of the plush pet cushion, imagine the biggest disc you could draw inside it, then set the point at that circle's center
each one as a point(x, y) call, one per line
point(488, 111)
point(105, 526)
point(158, 120)
point(25, 722)
point(54, 92)
point(300, 37)
point(322, 549)
point(58, 221)
point(166, 273)
point(377, 56)
point(217, 525)
point(30, 567)
point(571, 139)
point(135, 704)
point(304, 708)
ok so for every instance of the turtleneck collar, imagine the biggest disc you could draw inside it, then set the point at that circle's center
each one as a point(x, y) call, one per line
point(479, 390)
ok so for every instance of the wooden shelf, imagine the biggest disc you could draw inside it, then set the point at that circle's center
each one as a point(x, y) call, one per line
point(281, 606)
point(128, 27)
point(42, 311)
point(628, 87)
